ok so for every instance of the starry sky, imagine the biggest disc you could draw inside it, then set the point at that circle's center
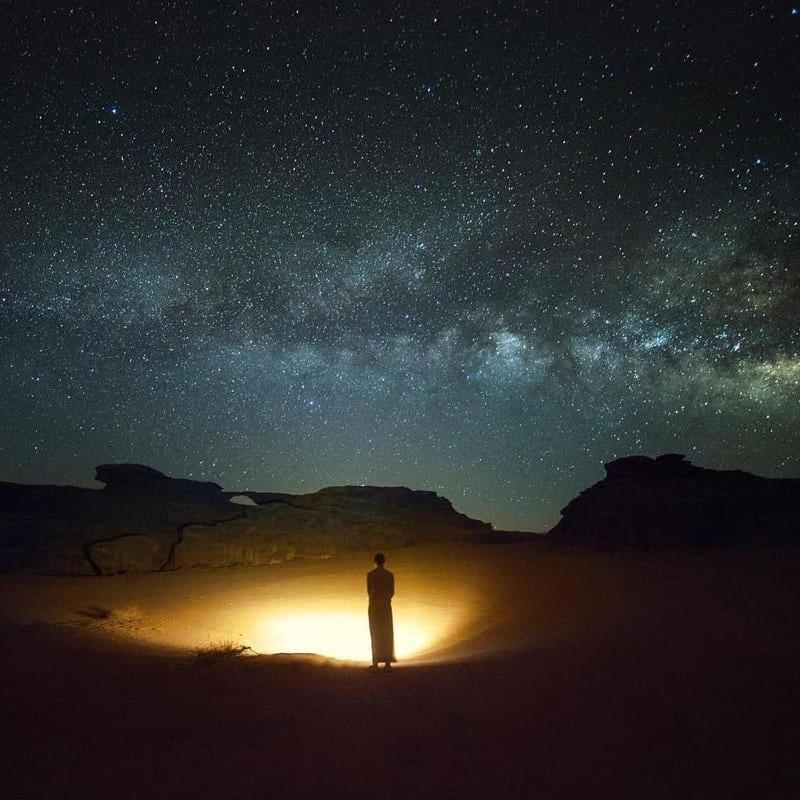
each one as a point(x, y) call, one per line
point(478, 248)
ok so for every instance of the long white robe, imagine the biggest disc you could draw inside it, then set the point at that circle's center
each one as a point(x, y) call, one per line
point(380, 588)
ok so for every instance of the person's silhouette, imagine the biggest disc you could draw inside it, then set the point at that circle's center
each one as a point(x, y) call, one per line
point(380, 588)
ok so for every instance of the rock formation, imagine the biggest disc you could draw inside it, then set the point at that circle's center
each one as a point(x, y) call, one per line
point(143, 520)
point(667, 502)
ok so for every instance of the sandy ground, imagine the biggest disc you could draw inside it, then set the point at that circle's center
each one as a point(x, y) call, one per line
point(527, 674)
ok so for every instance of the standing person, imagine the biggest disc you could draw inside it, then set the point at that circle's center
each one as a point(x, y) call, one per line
point(380, 588)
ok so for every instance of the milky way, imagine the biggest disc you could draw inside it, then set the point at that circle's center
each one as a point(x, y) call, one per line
point(475, 250)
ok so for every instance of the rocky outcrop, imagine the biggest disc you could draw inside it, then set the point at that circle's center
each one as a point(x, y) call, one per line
point(143, 520)
point(668, 502)
point(324, 523)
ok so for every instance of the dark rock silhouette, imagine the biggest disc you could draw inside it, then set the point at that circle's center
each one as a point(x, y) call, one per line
point(137, 479)
point(668, 502)
point(143, 520)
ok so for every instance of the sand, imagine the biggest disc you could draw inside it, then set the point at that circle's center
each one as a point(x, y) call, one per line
point(529, 674)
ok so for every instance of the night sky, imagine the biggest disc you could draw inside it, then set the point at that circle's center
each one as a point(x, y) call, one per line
point(479, 249)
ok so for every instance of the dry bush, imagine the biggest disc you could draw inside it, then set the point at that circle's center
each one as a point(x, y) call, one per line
point(225, 648)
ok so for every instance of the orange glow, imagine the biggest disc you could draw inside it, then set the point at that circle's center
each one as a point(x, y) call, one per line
point(310, 608)
point(344, 634)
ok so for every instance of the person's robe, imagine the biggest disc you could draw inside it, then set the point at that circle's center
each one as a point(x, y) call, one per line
point(380, 588)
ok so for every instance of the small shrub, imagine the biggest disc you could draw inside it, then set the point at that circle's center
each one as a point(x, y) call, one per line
point(222, 649)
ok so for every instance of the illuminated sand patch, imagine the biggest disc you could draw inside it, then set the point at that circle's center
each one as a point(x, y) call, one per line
point(344, 633)
point(337, 632)
point(309, 608)
point(445, 607)
point(299, 625)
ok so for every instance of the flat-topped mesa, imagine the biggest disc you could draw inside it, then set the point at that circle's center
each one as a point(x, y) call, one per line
point(668, 502)
point(143, 520)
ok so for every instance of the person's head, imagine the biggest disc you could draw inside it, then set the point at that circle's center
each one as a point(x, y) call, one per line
point(380, 559)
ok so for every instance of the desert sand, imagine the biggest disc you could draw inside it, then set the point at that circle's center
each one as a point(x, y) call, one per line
point(523, 673)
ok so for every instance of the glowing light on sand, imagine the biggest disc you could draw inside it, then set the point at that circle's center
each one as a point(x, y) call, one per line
point(338, 630)
point(310, 608)
point(343, 635)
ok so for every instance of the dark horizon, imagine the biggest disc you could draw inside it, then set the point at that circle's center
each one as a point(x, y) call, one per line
point(245, 490)
point(476, 251)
